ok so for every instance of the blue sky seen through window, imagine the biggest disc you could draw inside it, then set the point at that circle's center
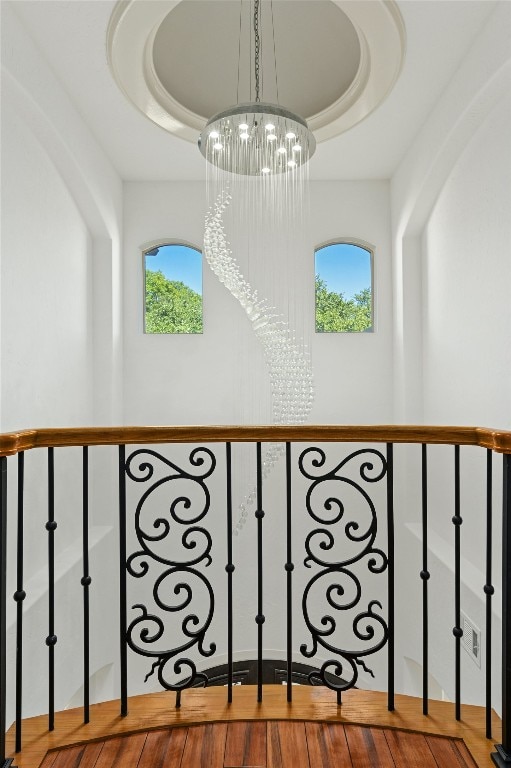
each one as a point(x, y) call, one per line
point(179, 263)
point(343, 289)
point(345, 268)
point(173, 289)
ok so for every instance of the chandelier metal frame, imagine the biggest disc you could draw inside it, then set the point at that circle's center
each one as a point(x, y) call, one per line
point(257, 138)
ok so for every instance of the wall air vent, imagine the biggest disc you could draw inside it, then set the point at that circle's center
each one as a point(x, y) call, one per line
point(471, 639)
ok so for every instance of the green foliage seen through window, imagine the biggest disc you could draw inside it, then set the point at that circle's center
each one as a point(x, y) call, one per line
point(343, 289)
point(173, 290)
point(171, 307)
point(335, 313)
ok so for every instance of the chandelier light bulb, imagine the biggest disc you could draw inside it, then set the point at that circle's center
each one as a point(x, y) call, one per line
point(266, 121)
point(243, 139)
point(291, 163)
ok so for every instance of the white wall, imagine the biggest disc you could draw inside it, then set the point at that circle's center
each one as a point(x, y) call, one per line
point(480, 83)
point(60, 343)
point(31, 90)
point(466, 323)
point(451, 233)
point(47, 379)
point(466, 279)
point(46, 291)
point(354, 372)
point(196, 379)
point(46, 313)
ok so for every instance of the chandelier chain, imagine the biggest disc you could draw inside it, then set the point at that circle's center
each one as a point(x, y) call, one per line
point(257, 49)
point(239, 56)
point(274, 54)
point(257, 138)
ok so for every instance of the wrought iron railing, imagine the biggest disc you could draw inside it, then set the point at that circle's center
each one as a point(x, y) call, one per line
point(355, 526)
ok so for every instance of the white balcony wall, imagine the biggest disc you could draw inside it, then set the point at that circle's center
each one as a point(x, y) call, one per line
point(61, 343)
point(211, 378)
point(451, 231)
point(72, 354)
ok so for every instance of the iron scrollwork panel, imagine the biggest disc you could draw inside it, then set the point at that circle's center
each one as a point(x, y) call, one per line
point(173, 544)
point(341, 550)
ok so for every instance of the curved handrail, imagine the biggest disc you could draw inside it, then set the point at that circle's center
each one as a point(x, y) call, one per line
point(12, 443)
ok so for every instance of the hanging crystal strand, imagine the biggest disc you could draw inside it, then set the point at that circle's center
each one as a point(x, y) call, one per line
point(260, 152)
point(290, 371)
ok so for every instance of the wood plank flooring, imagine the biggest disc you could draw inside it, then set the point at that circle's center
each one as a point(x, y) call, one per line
point(274, 744)
point(312, 719)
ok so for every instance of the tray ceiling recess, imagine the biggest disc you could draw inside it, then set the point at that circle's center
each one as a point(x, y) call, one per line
point(336, 60)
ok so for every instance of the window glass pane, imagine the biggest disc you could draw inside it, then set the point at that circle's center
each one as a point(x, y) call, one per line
point(173, 289)
point(343, 289)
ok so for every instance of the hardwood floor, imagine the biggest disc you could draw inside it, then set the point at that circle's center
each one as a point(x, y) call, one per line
point(312, 732)
point(277, 744)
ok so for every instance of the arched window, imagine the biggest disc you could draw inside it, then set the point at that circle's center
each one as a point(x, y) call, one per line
point(173, 289)
point(344, 288)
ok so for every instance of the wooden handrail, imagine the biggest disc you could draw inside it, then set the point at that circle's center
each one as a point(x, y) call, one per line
point(12, 443)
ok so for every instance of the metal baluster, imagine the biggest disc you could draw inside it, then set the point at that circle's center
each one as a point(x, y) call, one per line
point(3, 605)
point(457, 630)
point(502, 757)
point(51, 639)
point(488, 587)
point(390, 545)
point(424, 574)
point(123, 651)
point(289, 570)
point(259, 514)
point(85, 580)
point(19, 597)
point(230, 570)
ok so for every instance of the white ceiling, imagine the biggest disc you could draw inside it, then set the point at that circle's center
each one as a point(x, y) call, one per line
point(71, 34)
point(208, 73)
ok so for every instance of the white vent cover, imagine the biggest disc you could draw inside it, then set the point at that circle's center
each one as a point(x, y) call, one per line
point(471, 640)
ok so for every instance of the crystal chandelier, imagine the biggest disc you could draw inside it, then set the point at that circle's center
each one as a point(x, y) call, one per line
point(257, 175)
point(257, 138)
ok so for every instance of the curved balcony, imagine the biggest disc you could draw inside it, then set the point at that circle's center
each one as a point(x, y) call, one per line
point(141, 558)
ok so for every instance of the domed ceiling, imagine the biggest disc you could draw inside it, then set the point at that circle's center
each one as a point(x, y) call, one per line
point(182, 62)
point(209, 70)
